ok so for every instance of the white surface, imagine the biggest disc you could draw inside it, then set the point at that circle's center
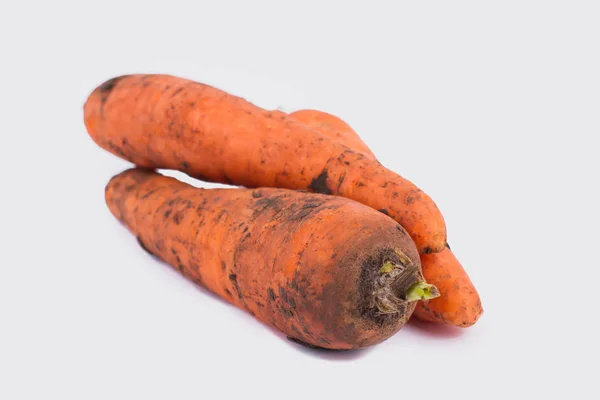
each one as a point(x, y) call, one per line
point(490, 107)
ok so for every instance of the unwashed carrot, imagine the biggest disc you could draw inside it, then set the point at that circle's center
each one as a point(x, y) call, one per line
point(332, 127)
point(459, 303)
point(325, 270)
point(160, 121)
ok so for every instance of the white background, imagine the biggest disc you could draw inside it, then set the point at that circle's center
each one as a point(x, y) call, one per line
point(491, 107)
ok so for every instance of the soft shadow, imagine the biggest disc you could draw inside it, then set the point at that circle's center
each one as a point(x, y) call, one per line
point(433, 329)
point(328, 354)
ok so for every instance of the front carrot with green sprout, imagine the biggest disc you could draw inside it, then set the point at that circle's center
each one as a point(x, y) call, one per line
point(325, 270)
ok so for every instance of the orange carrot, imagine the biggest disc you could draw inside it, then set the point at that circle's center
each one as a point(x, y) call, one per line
point(325, 270)
point(459, 303)
point(160, 121)
point(334, 128)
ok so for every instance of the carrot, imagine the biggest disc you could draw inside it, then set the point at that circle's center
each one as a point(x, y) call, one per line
point(332, 127)
point(325, 270)
point(160, 121)
point(459, 303)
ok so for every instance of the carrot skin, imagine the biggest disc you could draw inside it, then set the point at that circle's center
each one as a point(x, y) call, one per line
point(303, 263)
point(332, 127)
point(459, 303)
point(159, 121)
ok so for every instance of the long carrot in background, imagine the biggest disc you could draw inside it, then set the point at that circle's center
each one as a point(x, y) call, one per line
point(325, 270)
point(160, 121)
point(459, 303)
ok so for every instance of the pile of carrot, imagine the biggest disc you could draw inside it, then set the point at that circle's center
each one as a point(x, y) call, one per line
point(295, 247)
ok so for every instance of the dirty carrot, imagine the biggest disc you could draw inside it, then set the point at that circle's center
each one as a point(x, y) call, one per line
point(160, 121)
point(332, 127)
point(459, 303)
point(325, 270)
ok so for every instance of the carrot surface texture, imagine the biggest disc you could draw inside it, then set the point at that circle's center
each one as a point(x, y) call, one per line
point(325, 270)
point(459, 303)
point(160, 121)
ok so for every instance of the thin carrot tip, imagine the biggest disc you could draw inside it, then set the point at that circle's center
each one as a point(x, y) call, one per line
point(421, 291)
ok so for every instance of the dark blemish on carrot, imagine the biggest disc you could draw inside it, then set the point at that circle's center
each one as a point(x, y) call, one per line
point(395, 194)
point(384, 185)
point(173, 251)
point(347, 162)
point(303, 211)
point(228, 293)
point(150, 193)
point(319, 184)
point(245, 230)
point(286, 313)
point(293, 284)
point(116, 149)
point(296, 331)
point(410, 200)
point(110, 84)
point(124, 142)
point(223, 266)
point(146, 84)
point(282, 294)
point(274, 203)
point(360, 184)
point(384, 211)
point(184, 165)
point(175, 93)
point(340, 181)
point(427, 250)
point(448, 246)
point(312, 346)
point(399, 227)
point(256, 194)
point(167, 213)
point(233, 278)
point(271, 294)
point(220, 215)
point(144, 247)
point(333, 256)
point(324, 340)
point(177, 218)
point(179, 263)
point(292, 303)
